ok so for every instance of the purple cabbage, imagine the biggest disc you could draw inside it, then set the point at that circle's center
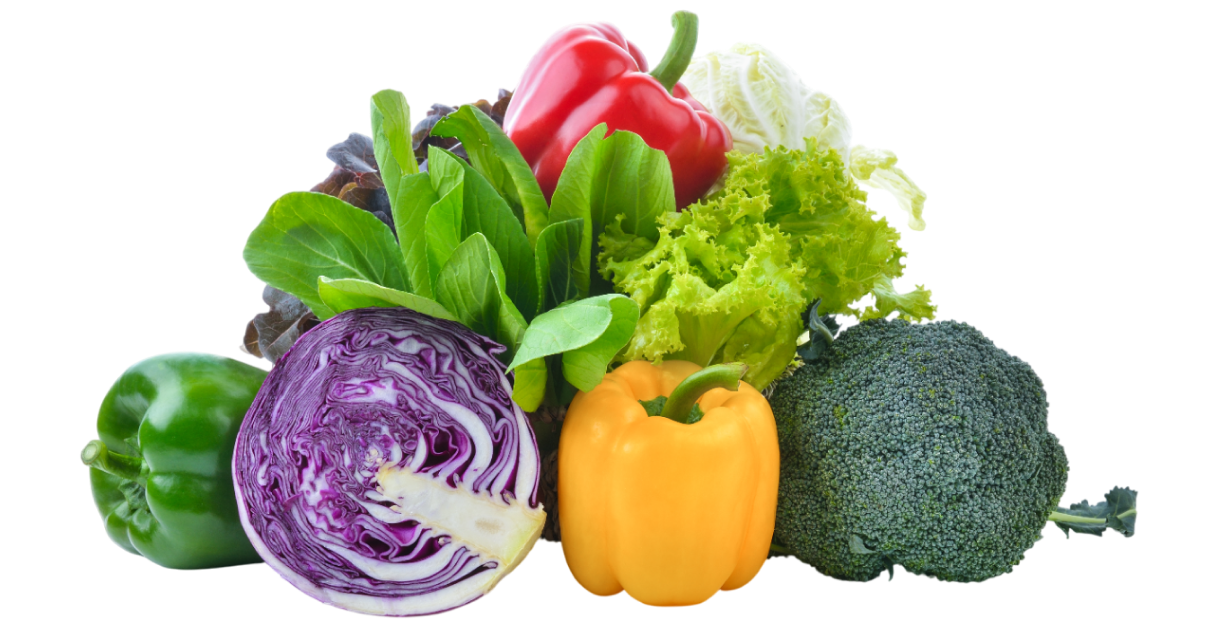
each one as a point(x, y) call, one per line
point(384, 468)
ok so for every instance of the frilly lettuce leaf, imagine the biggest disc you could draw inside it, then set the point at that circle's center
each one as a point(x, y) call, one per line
point(719, 286)
point(729, 278)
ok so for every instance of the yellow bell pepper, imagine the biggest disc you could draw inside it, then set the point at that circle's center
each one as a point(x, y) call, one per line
point(667, 511)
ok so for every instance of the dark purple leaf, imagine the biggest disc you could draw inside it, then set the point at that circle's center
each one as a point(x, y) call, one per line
point(271, 334)
point(355, 154)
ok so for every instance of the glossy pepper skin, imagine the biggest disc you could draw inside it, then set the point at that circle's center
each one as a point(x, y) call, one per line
point(168, 427)
point(589, 74)
point(669, 512)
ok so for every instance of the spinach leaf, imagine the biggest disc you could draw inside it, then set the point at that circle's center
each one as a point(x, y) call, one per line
point(472, 287)
point(308, 235)
point(445, 171)
point(571, 200)
point(410, 209)
point(622, 184)
point(588, 333)
point(556, 259)
point(392, 129)
point(584, 367)
point(530, 384)
point(562, 329)
point(485, 212)
point(346, 294)
point(498, 159)
point(632, 184)
point(444, 220)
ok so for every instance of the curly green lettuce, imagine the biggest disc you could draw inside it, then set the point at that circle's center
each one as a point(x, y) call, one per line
point(729, 277)
point(718, 283)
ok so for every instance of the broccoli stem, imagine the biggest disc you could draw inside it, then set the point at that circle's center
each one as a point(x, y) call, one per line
point(683, 398)
point(1057, 516)
point(779, 549)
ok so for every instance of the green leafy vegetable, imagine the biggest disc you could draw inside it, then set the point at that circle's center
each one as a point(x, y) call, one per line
point(410, 209)
point(620, 186)
point(588, 333)
point(481, 210)
point(472, 287)
point(389, 122)
point(308, 235)
point(466, 240)
point(556, 260)
point(530, 382)
point(729, 277)
point(442, 233)
point(498, 159)
point(585, 366)
point(571, 200)
point(485, 212)
point(345, 294)
point(563, 329)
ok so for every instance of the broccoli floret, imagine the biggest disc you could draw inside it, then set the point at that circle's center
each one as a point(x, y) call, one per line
point(919, 445)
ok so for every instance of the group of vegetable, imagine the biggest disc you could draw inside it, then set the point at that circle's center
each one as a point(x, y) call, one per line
point(601, 310)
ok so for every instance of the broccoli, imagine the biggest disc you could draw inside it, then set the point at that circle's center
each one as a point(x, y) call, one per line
point(924, 446)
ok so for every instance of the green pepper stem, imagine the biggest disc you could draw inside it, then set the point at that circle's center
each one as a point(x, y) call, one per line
point(682, 399)
point(681, 49)
point(97, 454)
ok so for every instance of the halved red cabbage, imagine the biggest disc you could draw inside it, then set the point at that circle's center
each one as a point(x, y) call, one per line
point(384, 468)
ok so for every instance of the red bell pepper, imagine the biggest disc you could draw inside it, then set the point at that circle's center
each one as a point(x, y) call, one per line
point(589, 74)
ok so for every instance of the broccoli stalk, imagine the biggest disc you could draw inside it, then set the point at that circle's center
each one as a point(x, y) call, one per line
point(1118, 512)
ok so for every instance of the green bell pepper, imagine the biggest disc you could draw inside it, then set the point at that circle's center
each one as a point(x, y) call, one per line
point(161, 473)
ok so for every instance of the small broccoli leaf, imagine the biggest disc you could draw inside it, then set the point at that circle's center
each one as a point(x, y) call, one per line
point(858, 547)
point(1117, 512)
point(818, 337)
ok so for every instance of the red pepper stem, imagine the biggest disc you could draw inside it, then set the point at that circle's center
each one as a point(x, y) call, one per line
point(682, 399)
point(97, 454)
point(681, 49)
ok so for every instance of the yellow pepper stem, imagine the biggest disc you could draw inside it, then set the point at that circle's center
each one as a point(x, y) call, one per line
point(682, 399)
